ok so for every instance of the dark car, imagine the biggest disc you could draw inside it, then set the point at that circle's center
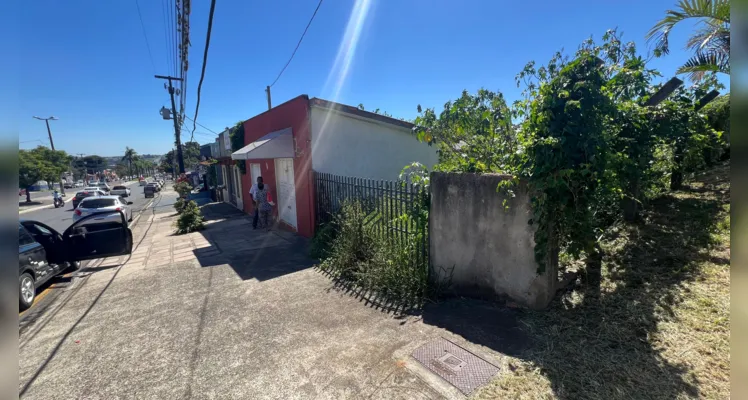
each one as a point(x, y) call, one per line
point(149, 190)
point(83, 194)
point(44, 253)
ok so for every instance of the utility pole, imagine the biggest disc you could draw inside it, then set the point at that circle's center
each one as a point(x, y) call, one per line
point(267, 90)
point(52, 144)
point(175, 117)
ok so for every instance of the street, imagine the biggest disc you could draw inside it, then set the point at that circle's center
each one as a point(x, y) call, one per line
point(61, 218)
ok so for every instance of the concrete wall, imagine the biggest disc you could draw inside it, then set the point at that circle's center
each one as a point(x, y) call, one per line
point(491, 250)
point(344, 144)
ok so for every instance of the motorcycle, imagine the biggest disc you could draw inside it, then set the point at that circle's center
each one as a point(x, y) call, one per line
point(59, 202)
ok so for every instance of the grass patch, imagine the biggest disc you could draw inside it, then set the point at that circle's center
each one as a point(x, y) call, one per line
point(657, 326)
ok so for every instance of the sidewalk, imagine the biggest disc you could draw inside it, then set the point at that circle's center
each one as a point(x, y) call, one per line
point(228, 313)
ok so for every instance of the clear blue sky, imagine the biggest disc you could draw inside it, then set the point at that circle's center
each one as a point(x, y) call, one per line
point(87, 63)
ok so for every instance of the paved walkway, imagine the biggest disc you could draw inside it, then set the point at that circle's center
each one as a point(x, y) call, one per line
point(225, 313)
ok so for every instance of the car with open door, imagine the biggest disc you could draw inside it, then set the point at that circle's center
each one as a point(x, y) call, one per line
point(44, 253)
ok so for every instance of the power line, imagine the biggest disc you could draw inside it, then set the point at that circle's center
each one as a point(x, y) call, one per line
point(201, 125)
point(205, 60)
point(297, 44)
point(147, 44)
point(166, 34)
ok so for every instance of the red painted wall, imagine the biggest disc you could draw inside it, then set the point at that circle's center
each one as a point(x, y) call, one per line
point(294, 114)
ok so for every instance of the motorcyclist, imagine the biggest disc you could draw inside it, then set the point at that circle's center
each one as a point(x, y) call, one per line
point(56, 197)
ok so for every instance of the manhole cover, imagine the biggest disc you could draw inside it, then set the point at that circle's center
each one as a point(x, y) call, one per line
point(461, 368)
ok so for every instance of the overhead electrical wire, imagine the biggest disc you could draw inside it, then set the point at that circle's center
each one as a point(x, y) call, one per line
point(202, 126)
point(167, 42)
point(297, 44)
point(147, 43)
point(205, 60)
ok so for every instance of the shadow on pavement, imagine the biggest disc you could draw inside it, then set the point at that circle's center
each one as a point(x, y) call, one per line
point(252, 254)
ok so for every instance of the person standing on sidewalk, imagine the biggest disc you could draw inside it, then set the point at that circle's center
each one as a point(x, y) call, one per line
point(264, 204)
point(253, 196)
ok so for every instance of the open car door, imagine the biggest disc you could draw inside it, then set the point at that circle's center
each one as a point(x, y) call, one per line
point(98, 235)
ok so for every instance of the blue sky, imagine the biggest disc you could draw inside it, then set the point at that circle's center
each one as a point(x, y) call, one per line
point(87, 63)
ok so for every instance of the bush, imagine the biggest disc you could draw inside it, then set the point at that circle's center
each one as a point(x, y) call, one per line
point(183, 188)
point(358, 255)
point(190, 220)
point(179, 205)
point(323, 240)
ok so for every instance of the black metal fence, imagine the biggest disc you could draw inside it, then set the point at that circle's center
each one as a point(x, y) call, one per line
point(395, 210)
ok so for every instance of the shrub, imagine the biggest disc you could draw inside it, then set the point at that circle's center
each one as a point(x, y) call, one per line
point(179, 205)
point(323, 240)
point(357, 254)
point(183, 188)
point(190, 220)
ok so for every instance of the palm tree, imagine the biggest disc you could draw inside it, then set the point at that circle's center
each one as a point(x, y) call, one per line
point(130, 156)
point(711, 41)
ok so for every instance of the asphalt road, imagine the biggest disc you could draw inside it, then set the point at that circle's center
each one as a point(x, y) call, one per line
point(61, 218)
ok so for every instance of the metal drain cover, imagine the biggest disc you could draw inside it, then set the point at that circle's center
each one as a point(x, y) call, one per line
point(461, 368)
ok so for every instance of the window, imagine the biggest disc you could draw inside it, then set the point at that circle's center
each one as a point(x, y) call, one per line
point(119, 188)
point(24, 237)
point(42, 229)
point(97, 203)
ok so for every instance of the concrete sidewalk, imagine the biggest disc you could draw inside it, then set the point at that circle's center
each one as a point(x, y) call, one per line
point(226, 313)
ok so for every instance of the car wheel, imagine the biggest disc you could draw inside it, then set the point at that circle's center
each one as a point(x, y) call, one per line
point(26, 290)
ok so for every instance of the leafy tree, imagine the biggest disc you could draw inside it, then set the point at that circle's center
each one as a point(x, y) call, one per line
point(41, 163)
point(474, 133)
point(710, 43)
point(129, 157)
point(190, 219)
point(236, 134)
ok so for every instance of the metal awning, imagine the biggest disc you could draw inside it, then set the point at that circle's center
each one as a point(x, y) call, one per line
point(278, 144)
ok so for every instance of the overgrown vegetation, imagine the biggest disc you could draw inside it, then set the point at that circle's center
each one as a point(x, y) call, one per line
point(358, 255)
point(657, 326)
point(590, 146)
point(190, 220)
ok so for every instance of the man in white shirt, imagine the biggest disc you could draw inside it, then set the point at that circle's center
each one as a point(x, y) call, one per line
point(253, 195)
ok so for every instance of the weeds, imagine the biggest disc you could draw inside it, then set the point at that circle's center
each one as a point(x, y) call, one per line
point(359, 255)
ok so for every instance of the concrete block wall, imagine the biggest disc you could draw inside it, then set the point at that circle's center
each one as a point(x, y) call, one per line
point(488, 250)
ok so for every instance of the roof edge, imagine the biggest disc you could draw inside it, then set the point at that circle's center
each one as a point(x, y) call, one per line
point(322, 103)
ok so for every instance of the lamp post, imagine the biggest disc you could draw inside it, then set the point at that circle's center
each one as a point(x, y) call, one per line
point(52, 143)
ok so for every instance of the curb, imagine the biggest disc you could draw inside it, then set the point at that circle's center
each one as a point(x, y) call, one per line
point(25, 210)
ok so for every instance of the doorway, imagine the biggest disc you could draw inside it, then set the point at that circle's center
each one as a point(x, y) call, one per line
point(286, 190)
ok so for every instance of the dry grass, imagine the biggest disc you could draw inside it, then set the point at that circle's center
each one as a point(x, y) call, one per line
point(657, 327)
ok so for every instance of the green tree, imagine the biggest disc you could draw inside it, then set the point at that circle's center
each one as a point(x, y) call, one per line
point(474, 133)
point(41, 163)
point(129, 157)
point(236, 134)
point(710, 42)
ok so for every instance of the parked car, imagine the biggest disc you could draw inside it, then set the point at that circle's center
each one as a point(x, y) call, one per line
point(79, 183)
point(99, 204)
point(44, 253)
point(123, 191)
point(85, 194)
point(68, 185)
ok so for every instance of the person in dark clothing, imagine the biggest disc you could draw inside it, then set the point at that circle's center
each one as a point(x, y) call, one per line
point(253, 194)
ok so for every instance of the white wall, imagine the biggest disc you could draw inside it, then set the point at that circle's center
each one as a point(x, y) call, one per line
point(343, 144)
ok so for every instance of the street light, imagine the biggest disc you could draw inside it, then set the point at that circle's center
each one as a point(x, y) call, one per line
point(51, 142)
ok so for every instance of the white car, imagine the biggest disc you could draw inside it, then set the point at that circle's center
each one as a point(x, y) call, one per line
point(103, 204)
point(119, 190)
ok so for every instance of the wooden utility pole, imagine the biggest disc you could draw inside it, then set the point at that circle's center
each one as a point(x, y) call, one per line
point(175, 117)
point(267, 90)
point(52, 145)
